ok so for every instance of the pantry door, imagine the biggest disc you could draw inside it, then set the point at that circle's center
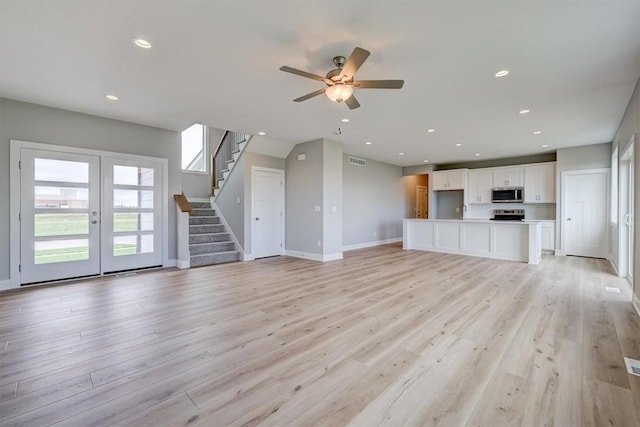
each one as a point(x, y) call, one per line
point(59, 215)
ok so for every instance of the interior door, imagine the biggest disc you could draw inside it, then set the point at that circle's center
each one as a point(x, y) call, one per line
point(268, 212)
point(59, 215)
point(131, 216)
point(586, 214)
point(421, 201)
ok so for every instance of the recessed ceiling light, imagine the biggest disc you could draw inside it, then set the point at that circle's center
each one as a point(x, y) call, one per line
point(368, 142)
point(476, 154)
point(525, 111)
point(545, 145)
point(400, 154)
point(502, 73)
point(345, 120)
point(141, 43)
point(431, 130)
point(425, 161)
point(262, 133)
point(111, 97)
point(536, 132)
point(458, 145)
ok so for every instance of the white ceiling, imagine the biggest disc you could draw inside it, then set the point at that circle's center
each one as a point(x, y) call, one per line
point(574, 64)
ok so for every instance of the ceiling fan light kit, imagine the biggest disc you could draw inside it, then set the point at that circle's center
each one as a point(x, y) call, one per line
point(340, 81)
point(339, 92)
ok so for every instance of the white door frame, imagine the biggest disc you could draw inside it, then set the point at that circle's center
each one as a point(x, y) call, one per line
point(625, 232)
point(14, 197)
point(281, 172)
point(563, 205)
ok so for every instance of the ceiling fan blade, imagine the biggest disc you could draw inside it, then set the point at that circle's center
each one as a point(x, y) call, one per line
point(310, 95)
point(352, 102)
point(379, 84)
point(357, 58)
point(302, 73)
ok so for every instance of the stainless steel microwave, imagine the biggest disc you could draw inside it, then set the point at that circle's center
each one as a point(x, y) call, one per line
point(507, 195)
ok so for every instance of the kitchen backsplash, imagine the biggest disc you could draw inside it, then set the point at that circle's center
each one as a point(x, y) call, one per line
point(531, 211)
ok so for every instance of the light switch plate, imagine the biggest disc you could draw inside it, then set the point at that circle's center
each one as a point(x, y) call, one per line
point(302, 156)
point(316, 208)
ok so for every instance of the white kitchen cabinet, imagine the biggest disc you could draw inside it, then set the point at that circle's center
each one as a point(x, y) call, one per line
point(511, 176)
point(540, 183)
point(454, 179)
point(479, 186)
point(548, 235)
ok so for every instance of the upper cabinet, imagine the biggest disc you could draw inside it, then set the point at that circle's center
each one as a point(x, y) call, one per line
point(511, 176)
point(480, 183)
point(454, 179)
point(540, 183)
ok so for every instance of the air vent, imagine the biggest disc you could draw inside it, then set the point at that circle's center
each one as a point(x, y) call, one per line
point(357, 162)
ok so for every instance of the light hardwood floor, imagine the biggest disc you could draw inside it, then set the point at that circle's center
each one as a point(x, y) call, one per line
point(383, 337)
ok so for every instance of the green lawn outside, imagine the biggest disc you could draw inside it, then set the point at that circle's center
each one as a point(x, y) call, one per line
point(69, 224)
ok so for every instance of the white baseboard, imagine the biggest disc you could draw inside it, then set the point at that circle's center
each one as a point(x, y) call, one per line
point(371, 244)
point(636, 303)
point(183, 264)
point(614, 265)
point(5, 285)
point(169, 263)
point(314, 257)
point(247, 257)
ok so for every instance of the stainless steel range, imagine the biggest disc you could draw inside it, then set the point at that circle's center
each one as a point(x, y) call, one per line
point(508, 215)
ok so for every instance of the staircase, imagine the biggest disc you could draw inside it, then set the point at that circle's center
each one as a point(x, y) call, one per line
point(209, 241)
point(225, 157)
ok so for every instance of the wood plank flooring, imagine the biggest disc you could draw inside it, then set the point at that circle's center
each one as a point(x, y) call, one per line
point(385, 337)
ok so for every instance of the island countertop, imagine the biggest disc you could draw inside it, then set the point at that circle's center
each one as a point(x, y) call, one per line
point(509, 240)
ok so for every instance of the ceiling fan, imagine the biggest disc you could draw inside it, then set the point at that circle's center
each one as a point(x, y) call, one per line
point(340, 82)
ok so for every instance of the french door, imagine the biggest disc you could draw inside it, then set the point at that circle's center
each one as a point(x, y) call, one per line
point(83, 215)
point(59, 215)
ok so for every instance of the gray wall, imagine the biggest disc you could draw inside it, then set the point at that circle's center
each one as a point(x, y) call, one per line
point(234, 200)
point(35, 123)
point(492, 163)
point(629, 126)
point(374, 201)
point(304, 226)
point(332, 209)
point(198, 185)
point(231, 201)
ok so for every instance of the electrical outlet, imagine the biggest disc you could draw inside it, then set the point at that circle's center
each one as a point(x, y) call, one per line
point(319, 243)
point(375, 233)
point(316, 208)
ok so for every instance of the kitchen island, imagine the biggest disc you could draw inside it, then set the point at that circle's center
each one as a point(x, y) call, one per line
point(509, 240)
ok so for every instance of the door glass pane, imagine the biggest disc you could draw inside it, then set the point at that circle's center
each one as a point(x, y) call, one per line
point(60, 224)
point(61, 251)
point(61, 170)
point(132, 175)
point(132, 198)
point(129, 245)
point(61, 197)
point(132, 221)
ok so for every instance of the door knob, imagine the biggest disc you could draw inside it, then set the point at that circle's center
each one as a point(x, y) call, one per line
point(94, 222)
point(568, 219)
point(257, 219)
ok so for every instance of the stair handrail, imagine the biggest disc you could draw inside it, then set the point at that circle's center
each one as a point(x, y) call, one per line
point(183, 203)
point(229, 145)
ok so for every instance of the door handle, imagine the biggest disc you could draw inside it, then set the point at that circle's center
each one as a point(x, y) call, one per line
point(257, 219)
point(568, 219)
point(94, 221)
